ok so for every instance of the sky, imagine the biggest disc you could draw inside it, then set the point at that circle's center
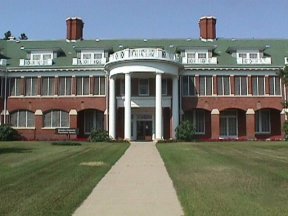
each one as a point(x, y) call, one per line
point(132, 19)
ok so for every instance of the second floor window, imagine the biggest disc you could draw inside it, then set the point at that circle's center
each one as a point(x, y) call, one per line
point(83, 85)
point(205, 85)
point(240, 85)
point(223, 85)
point(99, 86)
point(15, 86)
point(65, 85)
point(258, 83)
point(188, 86)
point(274, 85)
point(48, 86)
point(143, 87)
point(31, 86)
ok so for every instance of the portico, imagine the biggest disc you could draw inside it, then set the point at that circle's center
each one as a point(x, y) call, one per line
point(144, 73)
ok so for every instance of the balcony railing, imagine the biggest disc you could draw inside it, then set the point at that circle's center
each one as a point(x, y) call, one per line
point(77, 61)
point(142, 53)
point(144, 101)
point(212, 60)
point(266, 60)
point(3, 62)
point(25, 62)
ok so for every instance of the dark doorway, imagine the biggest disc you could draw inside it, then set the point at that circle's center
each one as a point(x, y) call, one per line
point(144, 130)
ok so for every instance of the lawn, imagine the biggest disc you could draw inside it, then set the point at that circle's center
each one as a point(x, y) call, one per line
point(37, 178)
point(240, 178)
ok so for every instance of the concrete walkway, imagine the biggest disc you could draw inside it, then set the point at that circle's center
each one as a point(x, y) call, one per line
point(137, 185)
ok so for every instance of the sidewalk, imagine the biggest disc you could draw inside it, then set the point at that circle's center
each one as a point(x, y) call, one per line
point(137, 185)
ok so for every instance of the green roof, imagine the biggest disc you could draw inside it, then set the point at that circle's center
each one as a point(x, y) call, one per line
point(276, 48)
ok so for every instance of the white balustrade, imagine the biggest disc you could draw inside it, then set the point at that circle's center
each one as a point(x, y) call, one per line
point(212, 60)
point(266, 60)
point(142, 53)
point(25, 62)
point(76, 61)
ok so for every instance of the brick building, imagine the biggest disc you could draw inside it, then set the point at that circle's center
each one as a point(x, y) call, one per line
point(142, 89)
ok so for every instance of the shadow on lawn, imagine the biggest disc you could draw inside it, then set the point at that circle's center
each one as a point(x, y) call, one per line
point(14, 150)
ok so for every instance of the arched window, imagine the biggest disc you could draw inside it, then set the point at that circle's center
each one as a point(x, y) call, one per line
point(22, 118)
point(56, 119)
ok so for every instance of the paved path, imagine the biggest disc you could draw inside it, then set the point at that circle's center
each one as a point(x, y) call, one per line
point(137, 185)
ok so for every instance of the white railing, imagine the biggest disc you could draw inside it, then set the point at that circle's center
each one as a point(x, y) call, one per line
point(3, 62)
point(212, 60)
point(144, 101)
point(266, 60)
point(142, 53)
point(76, 61)
point(25, 62)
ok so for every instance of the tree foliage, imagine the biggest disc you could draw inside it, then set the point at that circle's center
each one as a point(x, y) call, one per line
point(7, 133)
point(99, 135)
point(185, 131)
point(7, 35)
point(23, 36)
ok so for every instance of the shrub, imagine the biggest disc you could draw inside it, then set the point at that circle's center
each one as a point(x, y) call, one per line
point(99, 135)
point(7, 133)
point(285, 129)
point(185, 131)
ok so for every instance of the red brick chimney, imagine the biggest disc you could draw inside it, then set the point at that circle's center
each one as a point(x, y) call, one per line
point(207, 28)
point(74, 28)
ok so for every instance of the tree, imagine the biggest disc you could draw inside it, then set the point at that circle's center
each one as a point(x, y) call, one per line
point(23, 37)
point(7, 35)
point(185, 131)
point(283, 74)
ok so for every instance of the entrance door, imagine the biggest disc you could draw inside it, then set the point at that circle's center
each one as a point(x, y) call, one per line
point(144, 130)
point(228, 125)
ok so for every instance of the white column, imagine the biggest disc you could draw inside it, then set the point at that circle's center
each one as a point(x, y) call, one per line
point(127, 107)
point(158, 107)
point(175, 107)
point(112, 108)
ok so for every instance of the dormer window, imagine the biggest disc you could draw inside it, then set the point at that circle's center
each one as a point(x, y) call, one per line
point(199, 56)
point(39, 57)
point(90, 57)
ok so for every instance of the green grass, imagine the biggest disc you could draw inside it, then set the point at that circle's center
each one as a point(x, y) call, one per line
point(242, 178)
point(38, 178)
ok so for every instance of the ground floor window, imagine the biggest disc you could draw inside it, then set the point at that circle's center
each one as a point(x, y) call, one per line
point(197, 117)
point(93, 119)
point(22, 118)
point(228, 124)
point(263, 121)
point(56, 119)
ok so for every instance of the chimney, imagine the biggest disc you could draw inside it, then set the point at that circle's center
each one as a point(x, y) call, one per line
point(207, 28)
point(74, 28)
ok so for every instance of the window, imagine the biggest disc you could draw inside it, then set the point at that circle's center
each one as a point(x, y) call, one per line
point(48, 86)
point(240, 85)
point(15, 87)
point(22, 118)
point(41, 58)
point(164, 86)
point(197, 117)
point(258, 83)
point(99, 86)
point(202, 55)
point(242, 55)
point(56, 119)
point(263, 121)
point(274, 85)
point(253, 55)
point(223, 84)
point(143, 87)
point(31, 86)
point(205, 85)
point(83, 85)
point(191, 55)
point(93, 119)
point(65, 85)
point(188, 86)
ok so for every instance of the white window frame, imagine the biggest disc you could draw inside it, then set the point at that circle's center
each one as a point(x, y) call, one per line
point(60, 119)
point(41, 54)
point(48, 86)
point(259, 114)
point(147, 87)
point(273, 78)
point(99, 78)
point(257, 86)
point(187, 94)
point(240, 85)
point(82, 85)
point(65, 86)
point(195, 114)
point(17, 113)
point(92, 54)
point(31, 79)
point(205, 85)
point(223, 85)
point(16, 83)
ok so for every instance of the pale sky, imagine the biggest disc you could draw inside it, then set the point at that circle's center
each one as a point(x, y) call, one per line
point(126, 19)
